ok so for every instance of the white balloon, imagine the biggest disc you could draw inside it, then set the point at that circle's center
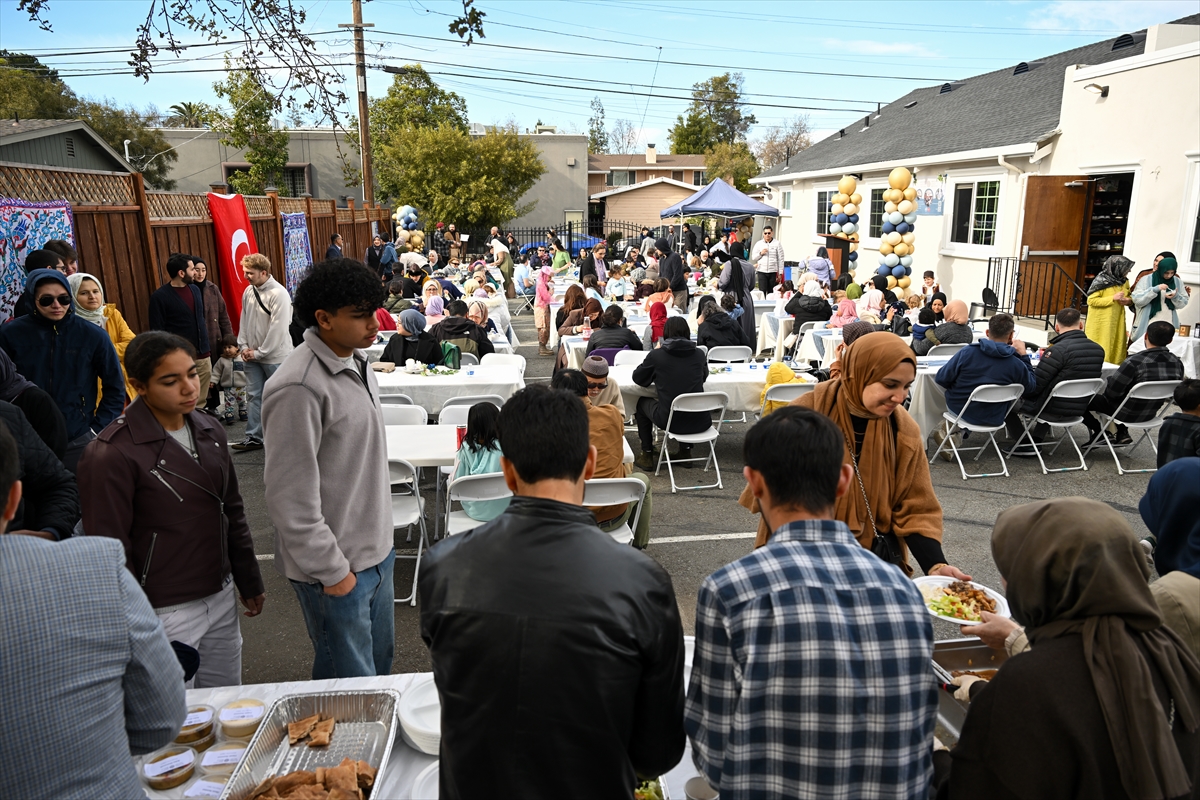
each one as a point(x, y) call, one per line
point(895, 217)
point(849, 227)
point(909, 218)
point(906, 261)
point(891, 260)
point(835, 228)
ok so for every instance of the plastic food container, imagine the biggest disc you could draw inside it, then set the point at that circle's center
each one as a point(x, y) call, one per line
point(221, 759)
point(169, 767)
point(199, 724)
point(241, 718)
point(207, 786)
point(200, 745)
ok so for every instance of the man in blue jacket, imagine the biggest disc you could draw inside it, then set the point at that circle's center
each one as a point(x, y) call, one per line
point(998, 359)
point(67, 357)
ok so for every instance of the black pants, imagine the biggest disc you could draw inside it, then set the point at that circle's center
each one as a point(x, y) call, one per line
point(766, 281)
point(644, 414)
point(45, 418)
point(1102, 405)
point(213, 401)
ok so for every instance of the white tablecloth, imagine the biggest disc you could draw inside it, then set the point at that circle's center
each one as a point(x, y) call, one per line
point(436, 445)
point(929, 399)
point(772, 330)
point(432, 391)
point(1186, 347)
point(744, 385)
point(375, 351)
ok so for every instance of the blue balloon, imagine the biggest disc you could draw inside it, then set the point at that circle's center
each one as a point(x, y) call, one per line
point(908, 270)
point(906, 260)
point(854, 218)
point(854, 256)
point(884, 269)
point(888, 227)
point(910, 218)
point(891, 259)
point(897, 271)
point(902, 228)
point(841, 219)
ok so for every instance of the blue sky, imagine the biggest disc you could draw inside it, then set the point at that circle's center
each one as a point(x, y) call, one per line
point(899, 46)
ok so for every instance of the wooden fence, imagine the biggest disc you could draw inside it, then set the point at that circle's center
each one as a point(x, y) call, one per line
point(125, 234)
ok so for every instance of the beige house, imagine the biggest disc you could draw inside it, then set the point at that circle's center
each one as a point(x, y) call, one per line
point(635, 187)
point(1027, 178)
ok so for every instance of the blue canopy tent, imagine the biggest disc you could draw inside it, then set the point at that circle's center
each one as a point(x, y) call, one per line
point(718, 199)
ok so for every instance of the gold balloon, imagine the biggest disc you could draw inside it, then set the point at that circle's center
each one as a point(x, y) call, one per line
point(904, 282)
point(889, 207)
point(885, 249)
point(856, 198)
point(891, 282)
point(838, 208)
point(906, 207)
point(900, 293)
point(854, 236)
point(840, 199)
point(900, 249)
point(912, 248)
point(842, 235)
point(849, 209)
point(910, 193)
point(853, 247)
point(892, 238)
point(847, 184)
point(909, 237)
point(899, 178)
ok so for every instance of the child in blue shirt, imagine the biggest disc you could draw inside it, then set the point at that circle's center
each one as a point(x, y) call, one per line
point(925, 321)
point(479, 455)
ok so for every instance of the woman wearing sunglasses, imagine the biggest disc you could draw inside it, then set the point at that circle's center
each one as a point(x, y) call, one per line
point(72, 360)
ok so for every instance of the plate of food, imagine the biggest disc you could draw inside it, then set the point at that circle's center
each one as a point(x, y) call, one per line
point(960, 601)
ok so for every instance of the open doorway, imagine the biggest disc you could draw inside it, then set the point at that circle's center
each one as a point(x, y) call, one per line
point(1108, 221)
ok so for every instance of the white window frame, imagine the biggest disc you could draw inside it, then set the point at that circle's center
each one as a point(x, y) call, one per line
point(1189, 270)
point(865, 239)
point(818, 237)
point(785, 201)
point(699, 177)
point(955, 249)
point(631, 178)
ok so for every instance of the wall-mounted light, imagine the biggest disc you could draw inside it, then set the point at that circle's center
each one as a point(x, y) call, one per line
point(1096, 88)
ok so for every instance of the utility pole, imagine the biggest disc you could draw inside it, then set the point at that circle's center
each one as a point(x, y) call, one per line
point(364, 133)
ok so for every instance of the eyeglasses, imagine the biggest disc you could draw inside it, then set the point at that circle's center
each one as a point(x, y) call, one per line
point(597, 387)
point(45, 301)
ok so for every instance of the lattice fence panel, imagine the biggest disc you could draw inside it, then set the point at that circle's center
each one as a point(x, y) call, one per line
point(292, 205)
point(259, 206)
point(42, 184)
point(177, 205)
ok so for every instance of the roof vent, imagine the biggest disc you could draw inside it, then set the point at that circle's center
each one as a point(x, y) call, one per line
point(910, 105)
point(842, 133)
point(1128, 40)
point(70, 143)
point(1026, 66)
point(950, 87)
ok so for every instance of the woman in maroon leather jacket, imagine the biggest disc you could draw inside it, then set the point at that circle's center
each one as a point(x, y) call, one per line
point(160, 479)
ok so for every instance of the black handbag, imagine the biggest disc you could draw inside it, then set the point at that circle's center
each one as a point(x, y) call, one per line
point(885, 545)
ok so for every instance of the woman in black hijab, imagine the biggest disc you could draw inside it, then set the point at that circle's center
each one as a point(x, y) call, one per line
point(937, 302)
point(737, 278)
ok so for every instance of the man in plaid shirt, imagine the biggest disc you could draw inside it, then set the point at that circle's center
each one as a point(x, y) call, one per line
point(1155, 363)
point(812, 673)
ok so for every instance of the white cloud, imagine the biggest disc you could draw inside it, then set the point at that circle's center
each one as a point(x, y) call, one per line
point(1119, 15)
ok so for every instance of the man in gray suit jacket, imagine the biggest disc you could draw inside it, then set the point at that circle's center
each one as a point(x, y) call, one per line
point(88, 663)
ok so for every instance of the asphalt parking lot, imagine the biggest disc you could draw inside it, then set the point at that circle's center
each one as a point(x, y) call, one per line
point(693, 534)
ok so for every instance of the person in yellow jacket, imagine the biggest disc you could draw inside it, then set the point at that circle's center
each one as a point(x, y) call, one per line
point(1107, 299)
point(777, 374)
point(90, 306)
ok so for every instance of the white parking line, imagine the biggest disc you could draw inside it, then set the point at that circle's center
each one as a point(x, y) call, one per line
point(708, 537)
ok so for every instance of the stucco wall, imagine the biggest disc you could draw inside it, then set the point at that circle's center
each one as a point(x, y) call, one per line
point(562, 187)
point(642, 206)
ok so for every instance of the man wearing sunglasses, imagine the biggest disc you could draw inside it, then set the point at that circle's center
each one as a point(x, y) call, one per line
point(68, 358)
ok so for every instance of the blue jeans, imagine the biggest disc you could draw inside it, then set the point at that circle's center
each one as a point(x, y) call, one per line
point(353, 636)
point(256, 379)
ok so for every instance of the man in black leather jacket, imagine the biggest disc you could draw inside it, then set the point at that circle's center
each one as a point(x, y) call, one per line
point(558, 653)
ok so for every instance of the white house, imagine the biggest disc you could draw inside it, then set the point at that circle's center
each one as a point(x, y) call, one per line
point(1067, 159)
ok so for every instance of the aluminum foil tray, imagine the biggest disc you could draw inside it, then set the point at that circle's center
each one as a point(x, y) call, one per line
point(366, 727)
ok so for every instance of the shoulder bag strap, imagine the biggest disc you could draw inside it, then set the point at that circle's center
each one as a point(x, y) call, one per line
point(258, 297)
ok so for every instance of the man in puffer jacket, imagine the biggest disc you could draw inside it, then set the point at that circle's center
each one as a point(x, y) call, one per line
point(1071, 356)
point(808, 308)
point(68, 358)
point(998, 359)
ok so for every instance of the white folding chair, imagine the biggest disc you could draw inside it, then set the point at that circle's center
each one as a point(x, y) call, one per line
point(505, 358)
point(397, 399)
point(783, 393)
point(472, 399)
point(730, 354)
point(1069, 390)
point(987, 394)
point(697, 402)
point(1147, 390)
point(403, 414)
point(468, 359)
point(944, 350)
point(408, 509)
point(614, 491)
point(790, 352)
point(477, 488)
point(633, 357)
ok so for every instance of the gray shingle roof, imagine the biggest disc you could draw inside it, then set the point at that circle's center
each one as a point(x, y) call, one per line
point(11, 127)
point(987, 111)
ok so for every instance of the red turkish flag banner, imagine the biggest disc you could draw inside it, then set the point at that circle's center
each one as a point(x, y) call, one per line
point(235, 241)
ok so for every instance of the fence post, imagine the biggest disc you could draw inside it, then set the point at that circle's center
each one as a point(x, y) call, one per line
point(139, 193)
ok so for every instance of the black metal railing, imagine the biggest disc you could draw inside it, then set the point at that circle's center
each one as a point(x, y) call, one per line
point(1031, 289)
point(573, 235)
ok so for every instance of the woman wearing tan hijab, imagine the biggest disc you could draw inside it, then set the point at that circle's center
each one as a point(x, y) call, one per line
point(954, 330)
point(1106, 704)
point(894, 501)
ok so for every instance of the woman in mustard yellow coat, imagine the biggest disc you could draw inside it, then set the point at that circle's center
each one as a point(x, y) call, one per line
point(88, 295)
point(1107, 299)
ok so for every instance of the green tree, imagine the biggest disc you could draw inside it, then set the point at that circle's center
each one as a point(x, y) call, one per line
point(734, 163)
point(190, 115)
point(449, 174)
point(250, 127)
point(715, 116)
point(597, 135)
point(33, 90)
point(149, 150)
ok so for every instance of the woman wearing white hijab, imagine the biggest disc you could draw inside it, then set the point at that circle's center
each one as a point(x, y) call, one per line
point(503, 262)
point(90, 306)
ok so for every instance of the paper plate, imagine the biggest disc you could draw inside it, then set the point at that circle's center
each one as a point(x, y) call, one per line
point(420, 713)
point(425, 787)
point(940, 580)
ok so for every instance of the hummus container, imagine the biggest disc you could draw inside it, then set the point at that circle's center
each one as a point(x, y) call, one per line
point(169, 767)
